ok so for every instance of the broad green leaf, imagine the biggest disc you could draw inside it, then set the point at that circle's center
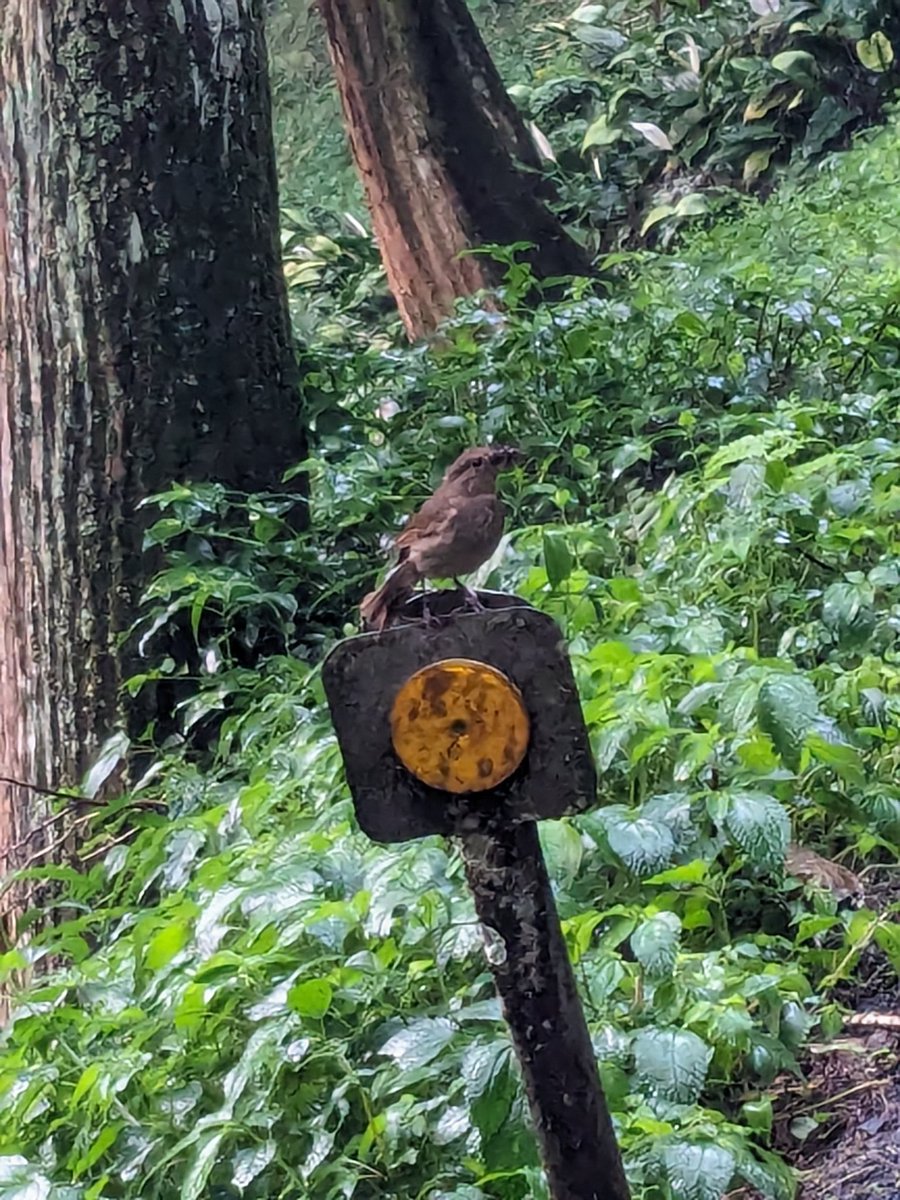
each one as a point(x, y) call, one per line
point(98, 1147)
point(847, 610)
point(768, 1174)
point(205, 1157)
point(653, 134)
point(655, 944)
point(111, 754)
point(876, 52)
point(733, 1026)
point(671, 1063)
point(454, 1123)
point(561, 843)
point(600, 133)
point(311, 998)
point(757, 163)
point(166, 944)
point(247, 1164)
point(86, 1081)
point(826, 123)
point(698, 1170)
point(20, 1180)
point(888, 938)
point(745, 483)
point(420, 1043)
point(628, 453)
point(558, 559)
point(656, 214)
point(694, 204)
point(798, 65)
point(787, 709)
point(843, 758)
point(759, 825)
point(758, 1114)
point(644, 846)
point(795, 1024)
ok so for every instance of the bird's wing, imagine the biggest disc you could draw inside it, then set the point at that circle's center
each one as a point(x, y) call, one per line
point(424, 521)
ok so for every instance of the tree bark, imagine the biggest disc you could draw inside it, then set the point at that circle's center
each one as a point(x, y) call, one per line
point(445, 158)
point(144, 335)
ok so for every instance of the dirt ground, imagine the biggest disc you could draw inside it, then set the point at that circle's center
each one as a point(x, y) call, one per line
point(851, 1088)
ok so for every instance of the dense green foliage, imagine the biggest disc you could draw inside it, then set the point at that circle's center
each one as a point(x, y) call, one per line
point(653, 113)
point(243, 997)
point(247, 998)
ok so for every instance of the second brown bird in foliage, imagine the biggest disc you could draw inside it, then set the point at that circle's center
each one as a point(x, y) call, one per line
point(456, 530)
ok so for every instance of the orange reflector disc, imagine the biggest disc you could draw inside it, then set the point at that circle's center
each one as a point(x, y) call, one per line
point(460, 725)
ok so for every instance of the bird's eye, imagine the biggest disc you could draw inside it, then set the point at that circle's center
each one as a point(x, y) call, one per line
point(477, 462)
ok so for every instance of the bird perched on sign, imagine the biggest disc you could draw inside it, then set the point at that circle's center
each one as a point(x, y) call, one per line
point(456, 530)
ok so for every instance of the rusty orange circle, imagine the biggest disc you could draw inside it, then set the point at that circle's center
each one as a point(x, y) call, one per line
point(460, 725)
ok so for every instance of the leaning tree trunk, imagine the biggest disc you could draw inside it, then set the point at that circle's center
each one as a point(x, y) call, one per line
point(445, 158)
point(144, 335)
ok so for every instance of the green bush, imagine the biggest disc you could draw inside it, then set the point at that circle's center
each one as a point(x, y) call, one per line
point(248, 999)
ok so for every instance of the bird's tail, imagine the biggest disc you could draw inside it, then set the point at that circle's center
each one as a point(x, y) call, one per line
point(379, 607)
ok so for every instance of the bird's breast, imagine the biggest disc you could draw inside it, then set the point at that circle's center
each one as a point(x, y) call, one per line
point(468, 537)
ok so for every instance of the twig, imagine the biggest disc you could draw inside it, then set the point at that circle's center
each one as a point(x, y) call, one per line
point(827, 1101)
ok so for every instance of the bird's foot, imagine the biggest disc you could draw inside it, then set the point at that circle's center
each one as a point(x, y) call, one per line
point(471, 598)
point(429, 619)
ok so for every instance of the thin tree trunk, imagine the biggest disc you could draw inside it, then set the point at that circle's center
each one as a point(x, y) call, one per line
point(144, 335)
point(445, 158)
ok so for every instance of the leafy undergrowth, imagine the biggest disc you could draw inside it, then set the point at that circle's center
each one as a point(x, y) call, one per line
point(248, 999)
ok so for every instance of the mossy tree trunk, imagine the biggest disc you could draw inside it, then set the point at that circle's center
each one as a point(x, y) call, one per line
point(445, 158)
point(144, 335)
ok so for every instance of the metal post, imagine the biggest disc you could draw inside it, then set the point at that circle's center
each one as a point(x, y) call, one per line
point(508, 878)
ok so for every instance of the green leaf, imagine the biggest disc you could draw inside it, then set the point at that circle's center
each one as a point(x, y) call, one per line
point(420, 1043)
point(671, 1063)
point(311, 998)
point(758, 1114)
point(85, 1082)
point(843, 758)
point(656, 214)
point(745, 483)
point(205, 1158)
point(558, 559)
point(759, 825)
point(887, 938)
point(111, 754)
point(600, 133)
point(19, 1180)
point(826, 123)
point(643, 846)
point(795, 1024)
point(698, 1170)
point(166, 944)
point(757, 163)
point(876, 52)
point(652, 133)
point(655, 944)
point(798, 65)
point(847, 610)
point(787, 710)
point(561, 843)
point(98, 1147)
point(247, 1164)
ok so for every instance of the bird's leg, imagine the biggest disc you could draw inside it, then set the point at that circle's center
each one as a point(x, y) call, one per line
point(471, 596)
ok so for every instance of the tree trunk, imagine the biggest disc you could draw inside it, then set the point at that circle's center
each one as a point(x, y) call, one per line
point(144, 335)
point(444, 155)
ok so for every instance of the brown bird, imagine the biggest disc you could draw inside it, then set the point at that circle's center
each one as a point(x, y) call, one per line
point(457, 529)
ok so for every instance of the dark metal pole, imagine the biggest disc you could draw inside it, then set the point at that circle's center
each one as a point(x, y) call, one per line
point(508, 877)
